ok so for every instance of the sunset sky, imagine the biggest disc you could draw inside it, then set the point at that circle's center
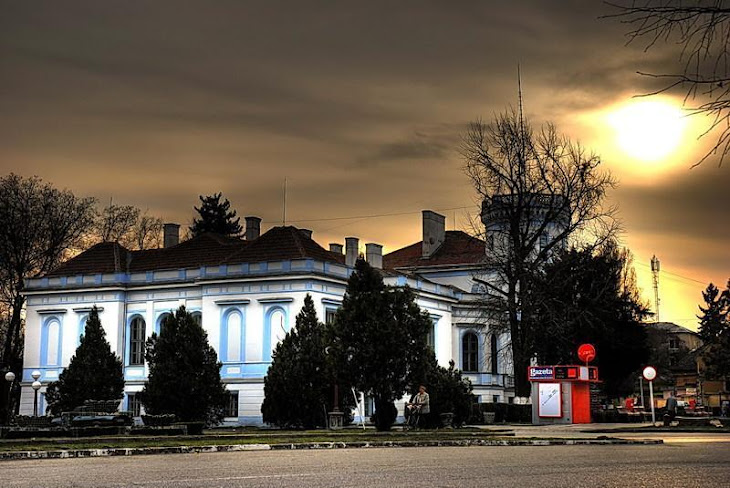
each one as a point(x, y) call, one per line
point(360, 106)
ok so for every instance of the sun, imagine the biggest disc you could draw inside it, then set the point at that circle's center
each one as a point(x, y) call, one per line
point(649, 130)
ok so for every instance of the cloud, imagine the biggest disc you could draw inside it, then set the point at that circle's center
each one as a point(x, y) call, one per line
point(359, 105)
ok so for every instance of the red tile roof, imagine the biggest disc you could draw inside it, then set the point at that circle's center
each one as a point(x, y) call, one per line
point(278, 244)
point(282, 243)
point(458, 248)
point(106, 257)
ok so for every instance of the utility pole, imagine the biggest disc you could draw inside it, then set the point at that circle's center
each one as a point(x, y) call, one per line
point(655, 275)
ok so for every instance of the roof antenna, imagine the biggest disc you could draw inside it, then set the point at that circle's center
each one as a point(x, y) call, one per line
point(519, 96)
point(283, 218)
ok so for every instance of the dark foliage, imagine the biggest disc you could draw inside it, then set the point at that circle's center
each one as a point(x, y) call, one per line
point(94, 373)
point(40, 227)
point(184, 374)
point(590, 297)
point(299, 386)
point(379, 339)
point(448, 392)
point(539, 192)
point(504, 412)
point(715, 331)
point(215, 216)
point(385, 414)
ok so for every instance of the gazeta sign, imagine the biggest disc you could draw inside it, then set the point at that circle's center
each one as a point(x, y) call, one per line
point(541, 372)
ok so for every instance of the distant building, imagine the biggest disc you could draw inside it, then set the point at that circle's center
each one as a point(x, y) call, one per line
point(679, 352)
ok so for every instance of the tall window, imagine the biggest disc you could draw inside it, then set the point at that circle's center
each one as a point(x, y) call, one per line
point(231, 408)
point(493, 353)
point(470, 352)
point(82, 328)
point(233, 336)
point(329, 316)
point(136, 342)
point(161, 322)
point(51, 342)
point(278, 327)
point(198, 318)
point(431, 335)
point(134, 405)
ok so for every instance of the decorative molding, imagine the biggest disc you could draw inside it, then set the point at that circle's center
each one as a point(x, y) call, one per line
point(275, 300)
point(87, 309)
point(51, 311)
point(329, 301)
point(241, 301)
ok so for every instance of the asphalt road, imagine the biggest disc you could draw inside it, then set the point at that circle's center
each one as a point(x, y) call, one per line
point(680, 464)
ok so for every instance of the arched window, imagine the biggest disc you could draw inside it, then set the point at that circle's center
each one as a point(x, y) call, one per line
point(82, 328)
point(277, 320)
point(161, 322)
point(51, 343)
point(470, 352)
point(136, 341)
point(493, 354)
point(255, 342)
point(198, 318)
point(232, 335)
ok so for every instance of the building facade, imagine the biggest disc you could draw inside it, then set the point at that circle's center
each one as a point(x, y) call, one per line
point(246, 294)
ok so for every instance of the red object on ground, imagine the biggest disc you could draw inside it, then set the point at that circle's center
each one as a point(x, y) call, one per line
point(630, 404)
point(586, 353)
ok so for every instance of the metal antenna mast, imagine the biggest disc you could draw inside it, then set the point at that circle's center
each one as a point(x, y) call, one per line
point(655, 275)
point(283, 217)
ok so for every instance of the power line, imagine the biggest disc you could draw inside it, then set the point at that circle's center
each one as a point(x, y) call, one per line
point(675, 274)
point(363, 217)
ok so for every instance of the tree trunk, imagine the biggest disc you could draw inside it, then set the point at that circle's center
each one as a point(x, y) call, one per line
point(13, 331)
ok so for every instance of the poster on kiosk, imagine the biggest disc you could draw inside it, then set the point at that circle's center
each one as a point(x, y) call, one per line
point(561, 394)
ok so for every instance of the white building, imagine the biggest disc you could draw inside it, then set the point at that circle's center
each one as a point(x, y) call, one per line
point(247, 294)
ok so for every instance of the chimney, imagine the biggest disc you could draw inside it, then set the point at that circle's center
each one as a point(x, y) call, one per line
point(434, 232)
point(253, 228)
point(351, 248)
point(170, 235)
point(307, 233)
point(374, 255)
point(335, 248)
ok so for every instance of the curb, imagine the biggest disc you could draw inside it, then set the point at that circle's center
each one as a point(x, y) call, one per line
point(140, 451)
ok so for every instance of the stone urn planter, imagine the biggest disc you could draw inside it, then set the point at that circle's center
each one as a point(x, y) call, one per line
point(447, 420)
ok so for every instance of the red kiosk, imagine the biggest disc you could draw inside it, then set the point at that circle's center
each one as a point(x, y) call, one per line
point(561, 394)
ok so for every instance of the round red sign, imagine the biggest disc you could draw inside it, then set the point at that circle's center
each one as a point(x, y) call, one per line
point(586, 353)
point(649, 373)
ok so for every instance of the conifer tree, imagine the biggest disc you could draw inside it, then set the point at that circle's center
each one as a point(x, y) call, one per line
point(94, 373)
point(215, 216)
point(298, 388)
point(590, 295)
point(715, 331)
point(380, 340)
point(184, 374)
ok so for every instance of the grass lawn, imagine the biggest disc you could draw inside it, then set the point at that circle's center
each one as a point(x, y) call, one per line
point(246, 437)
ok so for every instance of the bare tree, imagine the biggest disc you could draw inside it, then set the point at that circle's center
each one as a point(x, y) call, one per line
point(701, 30)
point(539, 192)
point(129, 226)
point(116, 221)
point(148, 232)
point(39, 224)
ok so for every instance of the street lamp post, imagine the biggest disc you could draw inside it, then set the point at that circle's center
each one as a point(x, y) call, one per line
point(10, 378)
point(36, 386)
